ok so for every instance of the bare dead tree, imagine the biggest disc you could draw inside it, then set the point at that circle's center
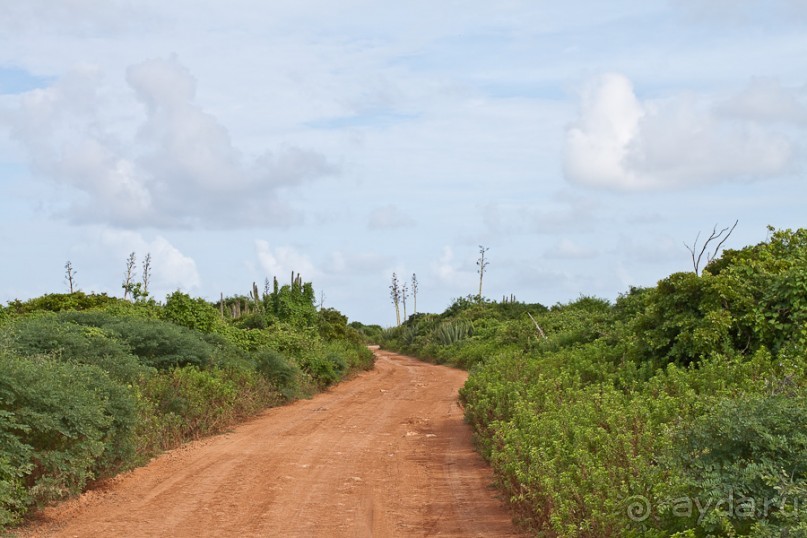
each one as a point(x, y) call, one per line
point(404, 296)
point(70, 276)
point(537, 327)
point(146, 274)
point(253, 294)
point(704, 250)
point(129, 276)
point(415, 291)
point(482, 264)
point(395, 296)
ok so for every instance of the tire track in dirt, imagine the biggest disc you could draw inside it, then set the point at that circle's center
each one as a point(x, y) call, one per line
point(384, 454)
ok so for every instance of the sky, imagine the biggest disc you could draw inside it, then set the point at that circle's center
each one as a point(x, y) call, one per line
point(584, 144)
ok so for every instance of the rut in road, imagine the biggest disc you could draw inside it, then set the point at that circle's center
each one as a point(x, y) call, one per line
point(384, 454)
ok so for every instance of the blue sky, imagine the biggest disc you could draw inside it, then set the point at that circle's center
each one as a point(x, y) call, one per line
point(583, 143)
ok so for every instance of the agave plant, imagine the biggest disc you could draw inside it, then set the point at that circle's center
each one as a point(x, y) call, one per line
point(452, 332)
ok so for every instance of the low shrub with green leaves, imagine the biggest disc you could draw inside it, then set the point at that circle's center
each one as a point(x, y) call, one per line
point(91, 385)
point(678, 410)
point(62, 339)
point(67, 424)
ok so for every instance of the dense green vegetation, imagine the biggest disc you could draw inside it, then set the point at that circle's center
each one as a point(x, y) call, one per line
point(679, 410)
point(91, 385)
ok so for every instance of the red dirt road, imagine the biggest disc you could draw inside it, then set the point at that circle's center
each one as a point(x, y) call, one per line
point(384, 454)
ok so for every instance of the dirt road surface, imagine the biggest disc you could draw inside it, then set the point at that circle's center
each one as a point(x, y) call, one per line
point(384, 454)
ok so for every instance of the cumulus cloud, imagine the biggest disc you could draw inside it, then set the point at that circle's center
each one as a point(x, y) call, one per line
point(620, 142)
point(451, 274)
point(389, 217)
point(559, 212)
point(281, 261)
point(171, 269)
point(566, 249)
point(178, 168)
point(353, 263)
point(765, 100)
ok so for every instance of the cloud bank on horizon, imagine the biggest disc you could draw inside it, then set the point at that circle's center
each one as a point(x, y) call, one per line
point(583, 143)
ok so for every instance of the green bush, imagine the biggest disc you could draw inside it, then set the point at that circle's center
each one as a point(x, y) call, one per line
point(57, 302)
point(154, 342)
point(15, 465)
point(64, 340)
point(187, 403)
point(284, 374)
point(695, 389)
point(325, 369)
point(76, 421)
point(196, 314)
point(371, 334)
point(746, 459)
point(163, 345)
point(90, 385)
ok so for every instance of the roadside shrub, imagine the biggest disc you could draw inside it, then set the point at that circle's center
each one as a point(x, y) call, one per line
point(325, 369)
point(693, 390)
point(15, 465)
point(290, 340)
point(746, 460)
point(91, 385)
point(370, 333)
point(57, 302)
point(355, 356)
point(201, 400)
point(195, 314)
point(154, 342)
point(76, 421)
point(569, 464)
point(68, 341)
point(187, 403)
point(284, 374)
point(161, 344)
point(332, 325)
point(251, 321)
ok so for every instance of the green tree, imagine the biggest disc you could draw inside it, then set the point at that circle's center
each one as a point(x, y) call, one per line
point(195, 314)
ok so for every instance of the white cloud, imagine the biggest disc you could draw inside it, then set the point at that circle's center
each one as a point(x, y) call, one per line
point(171, 269)
point(452, 274)
point(566, 249)
point(558, 212)
point(356, 263)
point(765, 100)
point(389, 217)
point(178, 167)
point(597, 144)
point(622, 143)
point(281, 261)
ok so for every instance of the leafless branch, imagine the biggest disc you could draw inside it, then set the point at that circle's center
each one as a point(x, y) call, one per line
point(714, 236)
point(720, 244)
point(538, 327)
